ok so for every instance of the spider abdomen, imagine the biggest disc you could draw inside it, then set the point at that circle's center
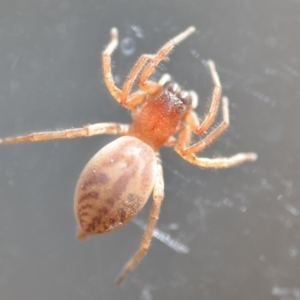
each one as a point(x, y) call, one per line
point(114, 186)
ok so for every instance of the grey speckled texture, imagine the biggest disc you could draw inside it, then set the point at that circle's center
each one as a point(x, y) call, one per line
point(239, 227)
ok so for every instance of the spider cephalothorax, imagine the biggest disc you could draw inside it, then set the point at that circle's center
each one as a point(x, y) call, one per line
point(166, 109)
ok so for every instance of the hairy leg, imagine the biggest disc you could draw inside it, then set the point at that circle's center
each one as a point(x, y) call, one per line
point(88, 130)
point(130, 101)
point(187, 152)
point(106, 63)
point(158, 195)
point(192, 121)
point(215, 100)
point(148, 86)
point(220, 162)
point(123, 96)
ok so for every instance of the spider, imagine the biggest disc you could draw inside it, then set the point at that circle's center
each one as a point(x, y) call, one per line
point(117, 182)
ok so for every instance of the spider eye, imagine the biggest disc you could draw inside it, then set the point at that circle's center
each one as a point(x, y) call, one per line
point(185, 97)
point(173, 88)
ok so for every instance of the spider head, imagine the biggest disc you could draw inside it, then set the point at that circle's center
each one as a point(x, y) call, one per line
point(183, 96)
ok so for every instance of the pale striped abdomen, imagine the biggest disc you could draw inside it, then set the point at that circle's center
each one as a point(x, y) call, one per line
point(114, 186)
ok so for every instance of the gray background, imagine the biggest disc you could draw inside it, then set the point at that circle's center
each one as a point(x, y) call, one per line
point(241, 225)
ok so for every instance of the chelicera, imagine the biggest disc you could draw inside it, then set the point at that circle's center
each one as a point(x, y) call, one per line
point(117, 182)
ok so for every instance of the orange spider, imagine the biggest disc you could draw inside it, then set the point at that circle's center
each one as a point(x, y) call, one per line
point(117, 182)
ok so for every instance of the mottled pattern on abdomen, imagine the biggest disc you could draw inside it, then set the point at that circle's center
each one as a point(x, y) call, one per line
point(114, 186)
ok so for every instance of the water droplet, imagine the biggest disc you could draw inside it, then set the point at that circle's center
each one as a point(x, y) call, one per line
point(128, 46)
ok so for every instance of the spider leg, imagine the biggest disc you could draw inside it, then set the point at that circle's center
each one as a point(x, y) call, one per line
point(131, 101)
point(106, 62)
point(122, 95)
point(193, 122)
point(220, 162)
point(149, 86)
point(158, 195)
point(188, 152)
point(213, 109)
point(88, 130)
point(137, 97)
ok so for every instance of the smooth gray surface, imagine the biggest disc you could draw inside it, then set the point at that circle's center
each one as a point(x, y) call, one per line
point(240, 225)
